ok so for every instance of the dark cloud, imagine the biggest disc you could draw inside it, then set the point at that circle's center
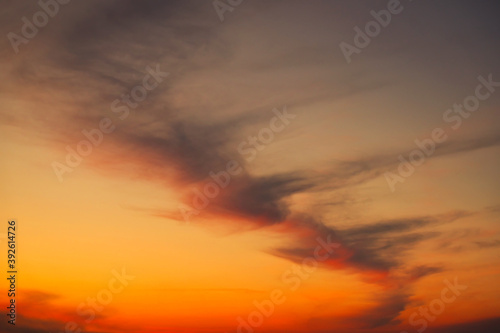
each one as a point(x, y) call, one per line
point(488, 244)
point(378, 247)
point(388, 307)
point(485, 325)
point(424, 270)
point(346, 174)
point(493, 209)
point(39, 311)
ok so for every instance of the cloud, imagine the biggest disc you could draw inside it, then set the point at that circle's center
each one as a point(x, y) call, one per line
point(221, 88)
point(424, 270)
point(41, 311)
point(484, 325)
point(488, 244)
point(382, 313)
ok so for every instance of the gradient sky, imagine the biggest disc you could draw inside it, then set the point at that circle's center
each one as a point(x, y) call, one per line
point(323, 175)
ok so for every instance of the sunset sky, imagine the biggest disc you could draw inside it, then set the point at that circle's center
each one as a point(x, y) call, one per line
point(225, 166)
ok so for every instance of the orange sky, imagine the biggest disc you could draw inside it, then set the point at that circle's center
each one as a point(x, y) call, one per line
point(248, 190)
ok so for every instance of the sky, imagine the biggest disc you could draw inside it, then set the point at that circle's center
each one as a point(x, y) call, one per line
point(251, 166)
